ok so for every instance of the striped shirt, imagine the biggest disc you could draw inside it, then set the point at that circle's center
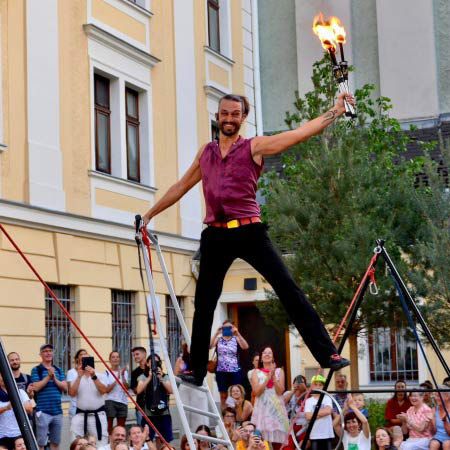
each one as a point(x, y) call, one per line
point(49, 397)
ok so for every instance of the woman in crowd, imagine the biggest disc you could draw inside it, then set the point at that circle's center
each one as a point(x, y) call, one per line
point(398, 404)
point(78, 443)
point(441, 422)
point(138, 438)
point(417, 421)
point(184, 444)
point(227, 340)
point(269, 413)
point(19, 444)
point(205, 431)
point(384, 440)
point(356, 433)
point(255, 365)
point(236, 400)
point(189, 395)
point(116, 400)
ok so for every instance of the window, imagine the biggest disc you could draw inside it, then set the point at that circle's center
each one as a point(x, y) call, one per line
point(102, 124)
point(132, 113)
point(173, 331)
point(123, 324)
point(393, 355)
point(213, 25)
point(214, 130)
point(58, 331)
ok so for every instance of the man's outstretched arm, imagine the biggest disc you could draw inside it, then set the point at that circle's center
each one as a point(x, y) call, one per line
point(278, 143)
point(177, 190)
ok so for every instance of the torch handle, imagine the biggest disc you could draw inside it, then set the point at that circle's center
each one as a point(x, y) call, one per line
point(350, 110)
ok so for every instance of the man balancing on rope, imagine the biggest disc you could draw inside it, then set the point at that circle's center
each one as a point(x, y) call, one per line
point(229, 170)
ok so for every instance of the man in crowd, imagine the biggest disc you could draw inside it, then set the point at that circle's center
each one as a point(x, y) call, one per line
point(23, 380)
point(248, 439)
point(140, 358)
point(340, 384)
point(89, 389)
point(49, 382)
point(9, 428)
point(118, 434)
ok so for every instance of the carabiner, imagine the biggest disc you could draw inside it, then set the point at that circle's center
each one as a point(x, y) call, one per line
point(373, 288)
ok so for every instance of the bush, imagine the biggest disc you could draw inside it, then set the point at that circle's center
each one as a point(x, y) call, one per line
point(376, 414)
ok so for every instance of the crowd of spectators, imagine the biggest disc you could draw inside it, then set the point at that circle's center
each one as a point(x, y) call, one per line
point(267, 416)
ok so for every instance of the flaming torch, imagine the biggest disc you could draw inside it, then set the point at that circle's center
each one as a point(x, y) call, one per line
point(332, 34)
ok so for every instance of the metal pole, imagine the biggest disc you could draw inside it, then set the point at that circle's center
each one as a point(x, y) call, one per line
point(413, 305)
point(16, 402)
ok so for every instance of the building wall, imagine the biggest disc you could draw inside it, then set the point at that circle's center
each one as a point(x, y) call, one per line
point(74, 222)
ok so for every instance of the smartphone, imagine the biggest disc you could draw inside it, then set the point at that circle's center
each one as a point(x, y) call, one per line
point(258, 434)
point(226, 331)
point(87, 361)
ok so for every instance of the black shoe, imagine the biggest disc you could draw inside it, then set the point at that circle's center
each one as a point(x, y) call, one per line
point(337, 362)
point(191, 379)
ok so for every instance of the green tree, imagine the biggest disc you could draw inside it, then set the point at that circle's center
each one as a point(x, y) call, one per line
point(339, 192)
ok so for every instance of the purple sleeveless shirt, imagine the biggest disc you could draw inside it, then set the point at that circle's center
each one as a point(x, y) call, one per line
point(230, 183)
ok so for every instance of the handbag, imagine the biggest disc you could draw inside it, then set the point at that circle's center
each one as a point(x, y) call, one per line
point(212, 363)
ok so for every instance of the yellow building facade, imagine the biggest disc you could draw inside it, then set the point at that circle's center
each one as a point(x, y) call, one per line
point(163, 65)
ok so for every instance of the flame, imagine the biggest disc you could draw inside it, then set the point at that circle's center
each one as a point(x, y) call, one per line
point(330, 32)
point(323, 29)
point(338, 30)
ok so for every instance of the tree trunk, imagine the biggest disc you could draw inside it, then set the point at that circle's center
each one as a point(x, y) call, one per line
point(354, 368)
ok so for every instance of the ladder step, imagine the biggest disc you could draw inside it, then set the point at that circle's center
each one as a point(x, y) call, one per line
point(193, 386)
point(202, 437)
point(201, 412)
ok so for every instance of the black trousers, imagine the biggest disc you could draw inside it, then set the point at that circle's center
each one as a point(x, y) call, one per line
point(219, 247)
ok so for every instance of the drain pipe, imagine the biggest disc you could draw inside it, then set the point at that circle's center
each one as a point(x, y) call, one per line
point(256, 69)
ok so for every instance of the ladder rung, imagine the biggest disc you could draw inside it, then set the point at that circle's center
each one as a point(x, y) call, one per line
point(202, 437)
point(193, 386)
point(201, 412)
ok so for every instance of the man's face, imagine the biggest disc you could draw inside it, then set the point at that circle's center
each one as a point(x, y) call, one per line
point(229, 418)
point(341, 383)
point(14, 361)
point(138, 356)
point(135, 434)
point(230, 117)
point(246, 432)
point(114, 359)
point(47, 355)
point(119, 434)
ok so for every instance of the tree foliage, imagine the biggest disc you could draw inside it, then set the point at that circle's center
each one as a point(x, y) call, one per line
point(342, 190)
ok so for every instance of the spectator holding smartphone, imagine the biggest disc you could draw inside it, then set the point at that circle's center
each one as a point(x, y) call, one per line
point(89, 389)
point(250, 438)
point(227, 340)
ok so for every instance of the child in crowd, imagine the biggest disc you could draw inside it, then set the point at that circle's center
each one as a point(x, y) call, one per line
point(358, 400)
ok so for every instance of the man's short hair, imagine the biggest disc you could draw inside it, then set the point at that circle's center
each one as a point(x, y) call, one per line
point(230, 410)
point(245, 104)
point(247, 422)
point(141, 349)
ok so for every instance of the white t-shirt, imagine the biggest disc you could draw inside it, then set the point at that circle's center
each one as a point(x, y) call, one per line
point(360, 442)
point(72, 376)
point(105, 447)
point(88, 397)
point(323, 426)
point(8, 423)
point(117, 394)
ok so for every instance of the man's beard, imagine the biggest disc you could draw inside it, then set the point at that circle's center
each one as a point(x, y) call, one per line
point(15, 366)
point(234, 129)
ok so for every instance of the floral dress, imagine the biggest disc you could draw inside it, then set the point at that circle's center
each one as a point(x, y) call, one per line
point(269, 414)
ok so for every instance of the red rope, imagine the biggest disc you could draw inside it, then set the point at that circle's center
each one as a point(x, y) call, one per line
point(72, 321)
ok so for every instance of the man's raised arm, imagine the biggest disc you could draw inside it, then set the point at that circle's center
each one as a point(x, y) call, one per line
point(192, 176)
point(278, 143)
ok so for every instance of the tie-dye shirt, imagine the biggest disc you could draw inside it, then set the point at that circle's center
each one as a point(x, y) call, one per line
point(227, 355)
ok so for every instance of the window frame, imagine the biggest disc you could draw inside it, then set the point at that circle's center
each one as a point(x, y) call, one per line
point(126, 298)
point(135, 122)
point(397, 338)
point(62, 357)
point(214, 4)
point(106, 111)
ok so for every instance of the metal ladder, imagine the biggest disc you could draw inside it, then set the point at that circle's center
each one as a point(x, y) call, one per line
point(144, 239)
